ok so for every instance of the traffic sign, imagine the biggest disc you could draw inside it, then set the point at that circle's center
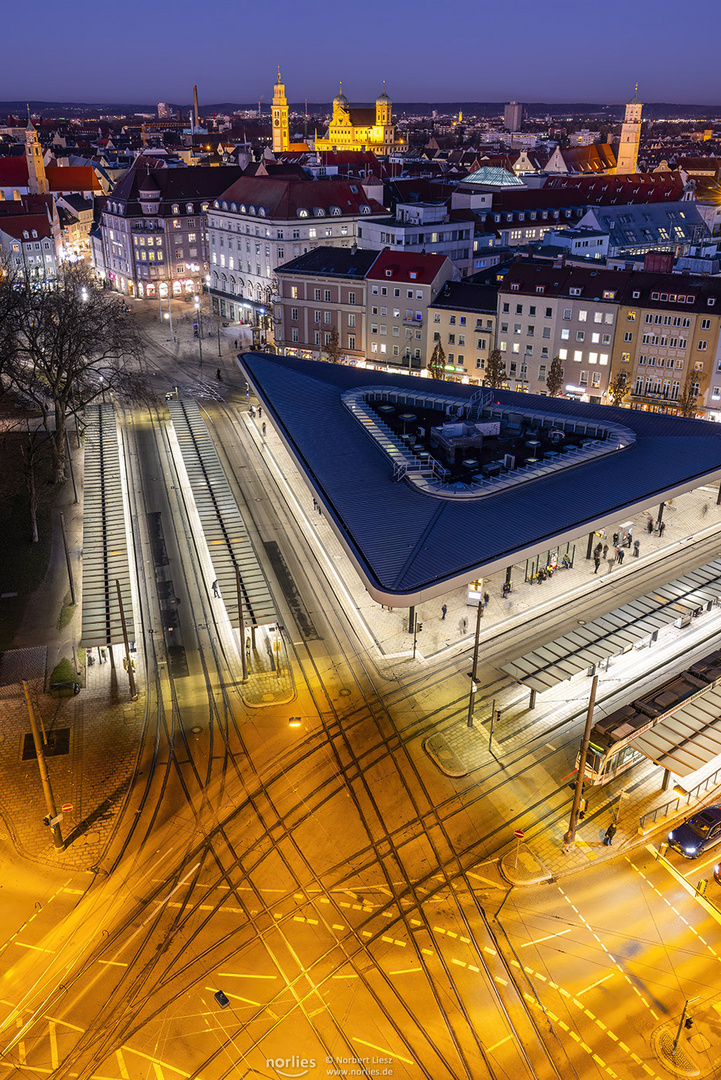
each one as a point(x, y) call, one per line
point(67, 809)
point(518, 834)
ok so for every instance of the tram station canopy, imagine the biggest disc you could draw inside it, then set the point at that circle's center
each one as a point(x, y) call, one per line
point(380, 452)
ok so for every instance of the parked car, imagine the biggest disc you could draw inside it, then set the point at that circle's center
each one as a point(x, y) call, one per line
point(221, 998)
point(697, 833)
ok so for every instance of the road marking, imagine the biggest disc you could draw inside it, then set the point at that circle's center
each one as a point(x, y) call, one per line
point(54, 1060)
point(384, 1050)
point(405, 971)
point(37, 948)
point(125, 1075)
point(495, 1046)
point(240, 975)
point(211, 990)
point(549, 937)
point(597, 983)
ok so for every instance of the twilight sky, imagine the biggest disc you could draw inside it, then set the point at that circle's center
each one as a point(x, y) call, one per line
point(426, 50)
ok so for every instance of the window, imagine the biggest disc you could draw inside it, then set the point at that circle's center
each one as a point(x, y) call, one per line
point(542, 373)
point(451, 339)
point(582, 316)
point(519, 309)
point(452, 320)
point(351, 341)
point(580, 335)
point(481, 343)
point(567, 314)
point(598, 316)
point(603, 358)
point(294, 334)
point(351, 298)
point(327, 318)
point(549, 313)
point(565, 335)
point(583, 380)
point(608, 318)
point(294, 314)
point(317, 316)
point(631, 316)
point(461, 339)
point(628, 336)
point(294, 292)
point(462, 319)
point(702, 346)
point(563, 354)
point(705, 324)
point(529, 331)
point(351, 320)
point(593, 358)
point(516, 328)
point(578, 356)
point(698, 365)
point(506, 308)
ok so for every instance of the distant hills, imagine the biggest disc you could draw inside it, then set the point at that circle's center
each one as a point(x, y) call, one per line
point(536, 109)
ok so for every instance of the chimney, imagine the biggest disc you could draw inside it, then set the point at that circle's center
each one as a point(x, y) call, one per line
point(196, 123)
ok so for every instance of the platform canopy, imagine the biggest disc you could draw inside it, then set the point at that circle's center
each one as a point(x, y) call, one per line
point(412, 538)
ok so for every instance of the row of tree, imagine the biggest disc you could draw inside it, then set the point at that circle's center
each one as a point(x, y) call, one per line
point(64, 347)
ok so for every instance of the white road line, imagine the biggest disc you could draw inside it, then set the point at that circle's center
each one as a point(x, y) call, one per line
point(549, 937)
point(597, 983)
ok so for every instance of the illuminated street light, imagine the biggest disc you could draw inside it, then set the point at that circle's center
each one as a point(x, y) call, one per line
point(294, 721)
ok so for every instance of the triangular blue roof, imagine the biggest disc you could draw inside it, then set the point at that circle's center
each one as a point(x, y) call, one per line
point(408, 544)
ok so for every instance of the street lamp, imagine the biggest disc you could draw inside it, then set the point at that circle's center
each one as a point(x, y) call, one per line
point(198, 319)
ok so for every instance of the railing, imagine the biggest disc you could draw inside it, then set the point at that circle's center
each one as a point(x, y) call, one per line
point(704, 785)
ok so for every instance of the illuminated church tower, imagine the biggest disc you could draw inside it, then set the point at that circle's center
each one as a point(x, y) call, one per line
point(627, 161)
point(37, 180)
point(281, 138)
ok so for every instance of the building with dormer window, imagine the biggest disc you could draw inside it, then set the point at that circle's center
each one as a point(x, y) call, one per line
point(355, 127)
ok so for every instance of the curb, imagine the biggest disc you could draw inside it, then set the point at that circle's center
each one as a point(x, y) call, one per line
point(443, 757)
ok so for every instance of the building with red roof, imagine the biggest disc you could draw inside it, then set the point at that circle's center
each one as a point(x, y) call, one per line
point(262, 221)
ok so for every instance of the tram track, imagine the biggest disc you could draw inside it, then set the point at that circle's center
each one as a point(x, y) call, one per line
point(350, 766)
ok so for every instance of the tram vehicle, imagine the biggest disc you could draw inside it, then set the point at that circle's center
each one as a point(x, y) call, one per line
point(611, 750)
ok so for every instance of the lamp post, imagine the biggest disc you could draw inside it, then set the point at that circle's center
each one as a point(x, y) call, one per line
point(198, 319)
point(474, 670)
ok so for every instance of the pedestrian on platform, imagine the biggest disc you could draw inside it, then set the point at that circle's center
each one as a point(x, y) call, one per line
point(661, 527)
point(615, 540)
point(636, 548)
point(264, 427)
point(260, 412)
point(610, 833)
point(649, 526)
point(464, 625)
point(444, 610)
point(597, 551)
point(605, 551)
point(216, 589)
point(704, 510)
point(619, 555)
point(596, 563)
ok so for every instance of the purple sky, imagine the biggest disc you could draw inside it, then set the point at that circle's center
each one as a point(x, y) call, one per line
point(563, 50)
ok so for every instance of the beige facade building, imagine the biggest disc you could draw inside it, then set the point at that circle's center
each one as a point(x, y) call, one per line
point(667, 344)
point(463, 319)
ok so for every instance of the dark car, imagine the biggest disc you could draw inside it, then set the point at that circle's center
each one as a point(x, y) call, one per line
point(222, 1000)
point(697, 833)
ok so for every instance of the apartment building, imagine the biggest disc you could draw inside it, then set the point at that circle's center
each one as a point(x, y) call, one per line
point(323, 290)
point(429, 227)
point(668, 343)
point(264, 221)
point(463, 319)
point(553, 310)
point(401, 288)
point(153, 229)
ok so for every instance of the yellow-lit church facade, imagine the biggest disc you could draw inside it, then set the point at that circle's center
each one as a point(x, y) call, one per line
point(356, 128)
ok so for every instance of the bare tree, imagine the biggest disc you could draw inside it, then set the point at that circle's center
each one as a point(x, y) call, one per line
point(495, 375)
point(619, 387)
point(332, 350)
point(437, 362)
point(554, 379)
point(67, 346)
point(688, 399)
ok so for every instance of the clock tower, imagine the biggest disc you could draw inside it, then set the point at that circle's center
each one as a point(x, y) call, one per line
point(627, 158)
point(281, 139)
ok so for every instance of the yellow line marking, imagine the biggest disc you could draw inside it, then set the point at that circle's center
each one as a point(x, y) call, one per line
point(384, 1050)
point(125, 1075)
point(405, 971)
point(549, 937)
point(495, 1046)
point(240, 975)
point(36, 948)
point(236, 997)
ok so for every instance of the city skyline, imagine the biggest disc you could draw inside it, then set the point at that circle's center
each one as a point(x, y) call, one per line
point(479, 58)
